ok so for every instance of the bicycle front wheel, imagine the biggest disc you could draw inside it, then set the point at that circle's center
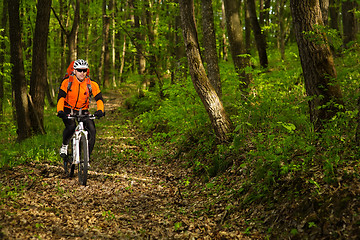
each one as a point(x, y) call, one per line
point(69, 167)
point(84, 161)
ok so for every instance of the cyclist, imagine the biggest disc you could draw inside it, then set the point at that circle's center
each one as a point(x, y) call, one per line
point(74, 94)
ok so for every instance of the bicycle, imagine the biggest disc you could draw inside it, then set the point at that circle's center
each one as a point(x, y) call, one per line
point(78, 150)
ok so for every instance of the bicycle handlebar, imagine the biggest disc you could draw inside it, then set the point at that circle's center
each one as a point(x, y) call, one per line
point(81, 117)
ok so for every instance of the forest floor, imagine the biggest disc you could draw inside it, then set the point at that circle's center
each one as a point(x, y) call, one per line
point(131, 195)
point(135, 199)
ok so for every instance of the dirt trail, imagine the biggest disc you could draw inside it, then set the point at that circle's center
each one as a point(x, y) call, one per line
point(122, 201)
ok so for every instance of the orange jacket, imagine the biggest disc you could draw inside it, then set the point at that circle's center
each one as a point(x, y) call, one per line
point(78, 95)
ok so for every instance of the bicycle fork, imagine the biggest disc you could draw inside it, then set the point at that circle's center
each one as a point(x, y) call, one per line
point(76, 142)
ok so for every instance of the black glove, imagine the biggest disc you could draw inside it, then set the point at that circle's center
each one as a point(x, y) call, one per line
point(62, 115)
point(99, 114)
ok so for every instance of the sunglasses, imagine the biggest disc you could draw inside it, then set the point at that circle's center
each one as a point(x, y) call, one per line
point(81, 70)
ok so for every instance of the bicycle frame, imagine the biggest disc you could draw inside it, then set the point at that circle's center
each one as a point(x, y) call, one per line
point(80, 148)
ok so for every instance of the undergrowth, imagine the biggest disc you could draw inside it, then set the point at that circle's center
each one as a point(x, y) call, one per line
point(273, 134)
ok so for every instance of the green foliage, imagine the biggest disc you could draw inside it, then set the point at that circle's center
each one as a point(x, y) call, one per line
point(179, 115)
point(39, 148)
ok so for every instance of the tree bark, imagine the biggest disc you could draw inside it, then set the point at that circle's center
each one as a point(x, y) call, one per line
point(18, 80)
point(113, 44)
point(2, 55)
point(259, 36)
point(324, 6)
point(152, 49)
point(212, 103)
point(334, 14)
point(237, 46)
point(349, 21)
point(105, 46)
point(38, 78)
point(224, 48)
point(317, 62)
point(264, 12)
point(72, 35)
point(281, 29)
point(210, 52)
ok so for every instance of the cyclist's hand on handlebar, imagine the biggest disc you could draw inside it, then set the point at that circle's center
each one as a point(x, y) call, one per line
point(61, 114)
point(99, 114)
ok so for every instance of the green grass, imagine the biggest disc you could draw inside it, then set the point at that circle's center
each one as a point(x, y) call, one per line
point(41, 148)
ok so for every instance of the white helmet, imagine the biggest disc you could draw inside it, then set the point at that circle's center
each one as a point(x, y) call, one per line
point(81, 64)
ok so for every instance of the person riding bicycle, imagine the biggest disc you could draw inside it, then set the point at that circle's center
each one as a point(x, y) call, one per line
point(74, 94)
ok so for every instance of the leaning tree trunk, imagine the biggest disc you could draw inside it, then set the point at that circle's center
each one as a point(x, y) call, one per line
point(38, 78)
point(210, 53)
point(212, 103)
point(317, 62)
point(18, 80)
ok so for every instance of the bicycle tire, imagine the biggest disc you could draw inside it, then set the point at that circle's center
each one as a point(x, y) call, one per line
point(69, 167)
point(84, 161)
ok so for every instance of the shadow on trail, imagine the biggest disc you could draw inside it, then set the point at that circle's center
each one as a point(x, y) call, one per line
point(125, 198)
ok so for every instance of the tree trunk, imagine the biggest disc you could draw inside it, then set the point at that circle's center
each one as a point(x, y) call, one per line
point(317, 62)
point(237, 46)
point(281, 29)
point(122, 64)
point(224, 48)
point(38, 78)
point(152, 51)
point(18, 80)
point(210, 53)
point(106, 44)
point(72, 36)
point(248, 42)
point(349, 21)
point(212, 103)
point(334, 14)
point(113, 44)
point(2, 55)
point(259, 36)
point(138, 42)
point(264, 12)
point(324, 6)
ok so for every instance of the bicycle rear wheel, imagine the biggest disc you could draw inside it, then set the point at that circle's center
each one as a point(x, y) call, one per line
point(84, 161)
point(69, 167)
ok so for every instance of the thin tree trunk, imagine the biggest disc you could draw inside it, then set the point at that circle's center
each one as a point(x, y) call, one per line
point(72, 36)
point(334, 14)
point(38, 78)
point(2, 55)
point(151, 38)
point(281, 30)
point(259, 36)
point(248, 42)
point(106, 43)
point(237, 46)
point(317, 62)
point(224, 44)
point(113, 60)
point(122, 59)
point(18, 80)
point(212, 103)
point(210, 53)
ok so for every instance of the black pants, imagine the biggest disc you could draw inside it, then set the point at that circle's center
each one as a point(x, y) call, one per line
point(69, 130)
